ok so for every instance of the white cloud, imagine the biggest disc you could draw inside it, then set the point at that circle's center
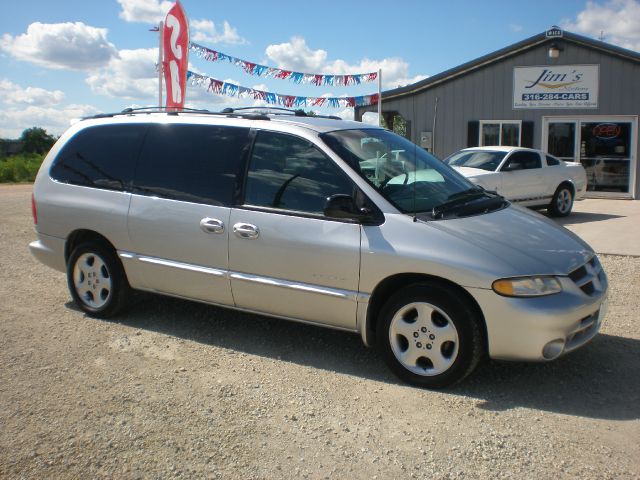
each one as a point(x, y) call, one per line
point(296, 55)
point(261, 86)
point(371, 118)
point(514, 27)
point(153, 11)
point(144, 11)
point(54, 120)
point(12, 94)
point(205, 31)
point(618, 20)
point(74, 46)
point(395, 71)
point(346, 114)
point(131, 75)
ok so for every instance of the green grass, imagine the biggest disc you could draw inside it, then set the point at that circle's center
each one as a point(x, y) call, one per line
point(20, 168)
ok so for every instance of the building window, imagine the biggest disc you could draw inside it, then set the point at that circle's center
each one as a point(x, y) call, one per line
point(497, 132)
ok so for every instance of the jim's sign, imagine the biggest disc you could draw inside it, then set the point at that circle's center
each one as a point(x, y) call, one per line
point(551, 86)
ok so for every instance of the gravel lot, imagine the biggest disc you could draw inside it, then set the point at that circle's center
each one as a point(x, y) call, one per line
point(179, 389)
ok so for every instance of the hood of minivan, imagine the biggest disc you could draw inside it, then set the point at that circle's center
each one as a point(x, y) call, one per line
point(527, 241)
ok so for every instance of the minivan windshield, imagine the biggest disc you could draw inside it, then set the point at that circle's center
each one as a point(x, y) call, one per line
point(405, 174)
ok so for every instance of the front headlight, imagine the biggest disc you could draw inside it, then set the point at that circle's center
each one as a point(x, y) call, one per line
point(527, 286)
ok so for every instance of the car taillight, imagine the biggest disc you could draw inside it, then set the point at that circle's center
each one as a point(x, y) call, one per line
point(33, 209)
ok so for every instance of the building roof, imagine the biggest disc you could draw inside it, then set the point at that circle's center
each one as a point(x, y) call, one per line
point(511, 50)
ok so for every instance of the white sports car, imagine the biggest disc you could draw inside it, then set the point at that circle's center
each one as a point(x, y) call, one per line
point(526, 176)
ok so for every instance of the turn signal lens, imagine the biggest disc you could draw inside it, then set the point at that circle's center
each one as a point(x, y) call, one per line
point(527, 286)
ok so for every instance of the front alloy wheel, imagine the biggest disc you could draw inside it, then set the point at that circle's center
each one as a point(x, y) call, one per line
point(423, 339)
point(429, 335)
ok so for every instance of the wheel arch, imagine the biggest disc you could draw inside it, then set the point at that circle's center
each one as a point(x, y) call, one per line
point(80, 236)
point(393, 283)
point(568, 183)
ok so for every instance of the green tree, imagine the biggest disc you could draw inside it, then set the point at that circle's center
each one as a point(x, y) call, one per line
point(399, 125)
point(36, 140)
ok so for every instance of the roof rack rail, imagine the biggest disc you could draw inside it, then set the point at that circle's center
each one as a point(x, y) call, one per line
point(173, 111)
point(166, 109)
point(279, 111)
point(266, 109)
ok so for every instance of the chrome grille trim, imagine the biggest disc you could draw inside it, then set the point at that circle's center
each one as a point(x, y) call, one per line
point(589, 277)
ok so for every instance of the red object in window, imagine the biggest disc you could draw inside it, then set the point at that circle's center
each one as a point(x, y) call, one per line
point(33, 210)
point(606, 130)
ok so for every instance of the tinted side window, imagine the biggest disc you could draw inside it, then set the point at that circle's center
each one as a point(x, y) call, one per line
point(193, 163)
point(552, 160)
point(290, 173)
point(527, 160)
point(102, 157)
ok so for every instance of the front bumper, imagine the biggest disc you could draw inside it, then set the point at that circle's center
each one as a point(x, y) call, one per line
point(541, 328)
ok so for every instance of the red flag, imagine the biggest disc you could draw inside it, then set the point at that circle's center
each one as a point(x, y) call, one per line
point(175, 45)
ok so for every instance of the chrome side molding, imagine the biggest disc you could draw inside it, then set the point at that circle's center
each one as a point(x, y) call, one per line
point(351, 295)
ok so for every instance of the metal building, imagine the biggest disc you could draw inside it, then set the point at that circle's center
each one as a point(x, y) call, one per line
point(569, 95)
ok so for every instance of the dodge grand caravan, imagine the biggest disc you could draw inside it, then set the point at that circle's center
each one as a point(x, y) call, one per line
point(318, 220)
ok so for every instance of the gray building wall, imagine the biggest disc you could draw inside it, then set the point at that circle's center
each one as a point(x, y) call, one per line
point(486, 93)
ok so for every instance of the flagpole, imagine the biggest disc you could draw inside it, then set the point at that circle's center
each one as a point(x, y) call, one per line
point(160, 66)
point(380, 97)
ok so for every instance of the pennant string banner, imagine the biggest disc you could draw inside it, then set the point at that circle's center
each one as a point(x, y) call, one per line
point(219, 87)
point(296, 77)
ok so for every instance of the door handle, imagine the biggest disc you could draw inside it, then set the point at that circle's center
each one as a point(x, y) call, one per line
point(246, 230)
point(211, 225)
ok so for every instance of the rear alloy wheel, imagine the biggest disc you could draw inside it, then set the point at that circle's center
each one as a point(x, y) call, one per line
point(429, 336)
point(96, 280)
point(562, 202)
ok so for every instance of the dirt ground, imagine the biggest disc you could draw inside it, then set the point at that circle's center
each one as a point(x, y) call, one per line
point(180, 389)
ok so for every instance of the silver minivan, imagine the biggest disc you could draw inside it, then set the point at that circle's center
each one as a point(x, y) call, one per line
point(318, 220)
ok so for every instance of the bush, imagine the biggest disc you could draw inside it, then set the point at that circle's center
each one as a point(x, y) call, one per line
point(20, 168)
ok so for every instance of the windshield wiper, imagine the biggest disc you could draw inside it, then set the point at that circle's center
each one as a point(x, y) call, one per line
point(464, 199)
point(473, 191)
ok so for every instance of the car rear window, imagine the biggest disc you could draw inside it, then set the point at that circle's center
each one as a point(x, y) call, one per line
point(552, 160)
point(101, 156)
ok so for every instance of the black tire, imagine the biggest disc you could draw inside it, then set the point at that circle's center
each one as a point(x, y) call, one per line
point(97, 281)
point(562, 201)
point(444, 360)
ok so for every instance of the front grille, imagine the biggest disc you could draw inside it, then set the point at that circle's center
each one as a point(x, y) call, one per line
point(584, 332)
point(589, 277)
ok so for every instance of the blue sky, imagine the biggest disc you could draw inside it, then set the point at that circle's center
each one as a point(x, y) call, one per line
point(65, 59)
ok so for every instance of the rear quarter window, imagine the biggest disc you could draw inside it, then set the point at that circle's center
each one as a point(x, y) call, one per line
point(552, 161)
point(101, 157)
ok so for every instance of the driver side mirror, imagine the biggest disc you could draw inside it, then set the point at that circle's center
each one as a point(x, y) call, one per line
point(344, 207)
